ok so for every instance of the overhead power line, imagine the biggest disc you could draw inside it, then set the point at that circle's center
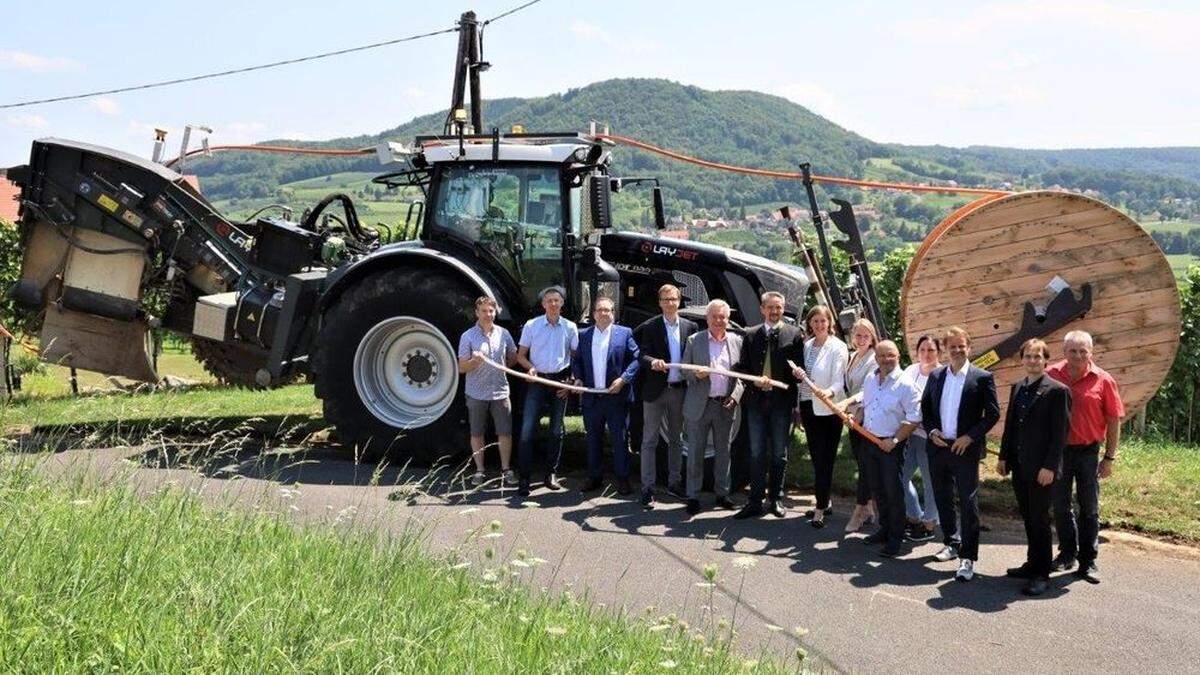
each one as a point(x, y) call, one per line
point(248, 69)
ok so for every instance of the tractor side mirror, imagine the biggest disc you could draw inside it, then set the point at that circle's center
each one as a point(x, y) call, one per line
point(660, 212)
point(600, 202)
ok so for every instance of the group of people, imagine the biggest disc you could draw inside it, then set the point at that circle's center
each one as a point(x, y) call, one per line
point(930, 417)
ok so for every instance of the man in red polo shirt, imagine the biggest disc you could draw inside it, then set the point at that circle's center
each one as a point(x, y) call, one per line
point(1096, 413)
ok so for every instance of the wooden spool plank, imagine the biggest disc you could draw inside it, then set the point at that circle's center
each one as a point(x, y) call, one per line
point(979, 267)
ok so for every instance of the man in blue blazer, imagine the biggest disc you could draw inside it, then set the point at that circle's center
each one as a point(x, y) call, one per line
point(607, 359)
point(958, 408)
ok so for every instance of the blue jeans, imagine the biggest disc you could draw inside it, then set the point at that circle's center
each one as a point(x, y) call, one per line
point(1078, 534)
point(536, 398)
point(768, 426)
point(611, 411)
point(916, 457)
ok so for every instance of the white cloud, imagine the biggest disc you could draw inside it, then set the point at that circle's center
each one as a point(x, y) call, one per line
point(812, 96)
point(36, 63)
point(1161, 29)
point(1014, 62)
point(975, 98)
point(104, 106)
point(27, 121)
point(625, 46)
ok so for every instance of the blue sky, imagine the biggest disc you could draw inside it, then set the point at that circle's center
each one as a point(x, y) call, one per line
point(1015, 73)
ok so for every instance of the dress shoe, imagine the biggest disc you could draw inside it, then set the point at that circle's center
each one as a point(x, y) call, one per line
point(917, 532)
point(677, 491)
point(552, 482)
point(591, 485)
point(818, 520)
point(1088, 572)
point(1036, 586)
point(724, 502)
point(776, 509)
point(966, 570)
point(875, 538)
point(693, 506)
point(1063, 563)
point(889, 552)
point(623, 487)
point(647, 500)
point(523, 487)
point(748, 511)
point(1022, 572)
point(809, 513)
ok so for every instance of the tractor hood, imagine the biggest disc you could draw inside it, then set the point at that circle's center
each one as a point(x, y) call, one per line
point(655, 252)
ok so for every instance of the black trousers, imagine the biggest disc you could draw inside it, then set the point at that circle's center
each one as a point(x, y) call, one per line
point(860, 447)
point(957, 476)
point(1079, 534)
point(883, 474)
point(823, 433)
point(1034, 501)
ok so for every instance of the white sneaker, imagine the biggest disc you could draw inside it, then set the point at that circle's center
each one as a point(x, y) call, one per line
point(508, 477)
point(966, 570)
point(478, 478)
point(947, 554)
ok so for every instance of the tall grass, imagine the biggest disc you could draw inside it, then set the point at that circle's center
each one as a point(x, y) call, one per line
point(99, 577)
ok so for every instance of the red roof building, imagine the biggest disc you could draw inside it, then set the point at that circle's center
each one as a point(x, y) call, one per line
point(9, 193)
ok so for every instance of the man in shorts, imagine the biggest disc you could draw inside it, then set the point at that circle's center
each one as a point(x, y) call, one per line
point(487, 387)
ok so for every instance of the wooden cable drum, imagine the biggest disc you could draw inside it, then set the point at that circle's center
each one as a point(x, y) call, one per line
point(979, 267)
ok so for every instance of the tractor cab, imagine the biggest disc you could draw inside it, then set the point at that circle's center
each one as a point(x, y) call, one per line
point(518, 207)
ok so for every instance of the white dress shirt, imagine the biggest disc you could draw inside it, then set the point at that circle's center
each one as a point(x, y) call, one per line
point(675, 347)
point(600, 340)
point(951, 398)
point(890, 403)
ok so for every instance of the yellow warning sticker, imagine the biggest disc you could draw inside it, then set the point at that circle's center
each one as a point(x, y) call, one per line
point(108, 203)
point(986, 360)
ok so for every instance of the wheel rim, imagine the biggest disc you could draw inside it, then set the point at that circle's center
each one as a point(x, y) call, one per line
point(405, 372)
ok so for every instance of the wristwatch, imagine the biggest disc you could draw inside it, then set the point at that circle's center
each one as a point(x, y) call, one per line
point(895, 441)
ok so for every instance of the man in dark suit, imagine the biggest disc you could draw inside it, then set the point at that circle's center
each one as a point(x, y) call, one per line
point(1035, 435)
point(661, 340)
point(607, 359)
point(766, 351)
point(958, 408)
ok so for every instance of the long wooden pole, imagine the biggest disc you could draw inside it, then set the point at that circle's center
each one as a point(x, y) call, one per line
point(756, 379)
point(816, 391)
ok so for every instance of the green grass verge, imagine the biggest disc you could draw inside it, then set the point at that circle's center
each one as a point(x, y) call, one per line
point(1180, 262)
point(102, 578)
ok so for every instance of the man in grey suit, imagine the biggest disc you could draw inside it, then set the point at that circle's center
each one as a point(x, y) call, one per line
point(710, 403)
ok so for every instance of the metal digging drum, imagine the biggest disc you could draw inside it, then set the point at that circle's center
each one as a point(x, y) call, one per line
point(996, 267)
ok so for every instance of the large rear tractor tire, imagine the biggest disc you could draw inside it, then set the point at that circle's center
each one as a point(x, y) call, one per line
point(386, 365)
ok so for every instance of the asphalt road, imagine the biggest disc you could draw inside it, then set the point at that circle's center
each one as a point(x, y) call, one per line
point(861, 612)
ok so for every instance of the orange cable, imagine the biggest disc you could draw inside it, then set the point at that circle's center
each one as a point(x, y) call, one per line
point(791, 175)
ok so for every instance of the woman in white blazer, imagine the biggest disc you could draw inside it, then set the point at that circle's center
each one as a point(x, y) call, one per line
point(825, 358)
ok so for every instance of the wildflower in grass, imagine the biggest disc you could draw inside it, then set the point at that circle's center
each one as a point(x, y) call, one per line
point(522, 618)
point(705, 584)
point(750, 664)
point(709, 651)
point(80, 502)
point(462, 565)
point(288, 493)
point(468, 511)
point(489, 553)
point(520, 563)
point(801, 654)
point(490, 576)
point(658, 628)
point(772, 627)
point(744, 562)
point(723, 624)
point(799, 631)
point(538, 561)
point(710, 572)
point(521, 554)
point(698, 637)
point(495, 525)
point(556, 630)
point(667, 665)
point(493, 535)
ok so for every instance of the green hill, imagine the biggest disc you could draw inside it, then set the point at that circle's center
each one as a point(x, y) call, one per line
point(755, 129)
